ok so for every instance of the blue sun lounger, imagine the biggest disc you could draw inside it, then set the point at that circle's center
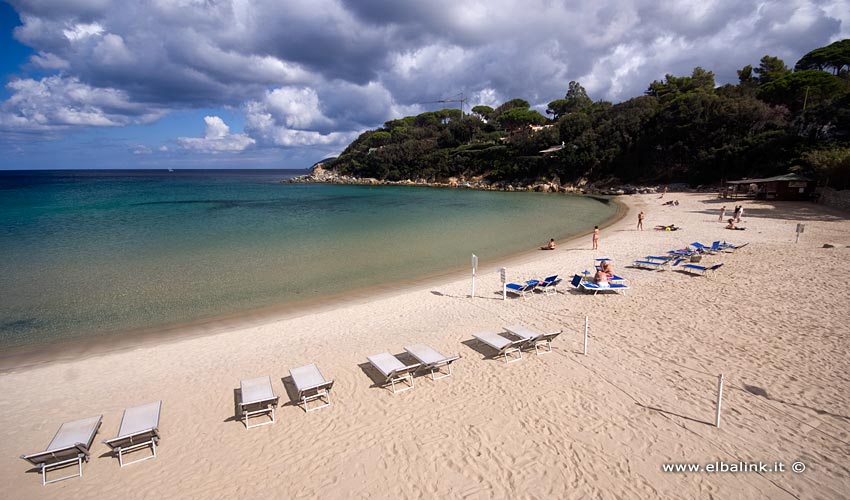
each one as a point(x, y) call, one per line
point(586, 286)
point(695, 269)
point(650, 262)
point(525, 291)
point(704, 249)
point(549, 284)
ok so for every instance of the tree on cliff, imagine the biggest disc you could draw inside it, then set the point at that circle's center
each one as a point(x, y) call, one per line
point(835, 57)
point(683, 129)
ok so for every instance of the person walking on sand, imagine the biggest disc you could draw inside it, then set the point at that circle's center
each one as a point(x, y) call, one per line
point(722, 213)
point(640, 221)
point(596, 237)
point(735, 213)
point(740, 213)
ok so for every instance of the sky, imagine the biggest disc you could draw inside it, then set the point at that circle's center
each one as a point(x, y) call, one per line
point(286, 83)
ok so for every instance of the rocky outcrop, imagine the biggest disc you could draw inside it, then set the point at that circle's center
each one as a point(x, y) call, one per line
point(318, 174)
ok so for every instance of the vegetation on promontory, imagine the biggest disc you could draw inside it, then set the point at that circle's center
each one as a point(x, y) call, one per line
point(684, 129)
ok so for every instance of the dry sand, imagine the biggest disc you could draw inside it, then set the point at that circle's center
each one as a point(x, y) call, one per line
point(773, 320)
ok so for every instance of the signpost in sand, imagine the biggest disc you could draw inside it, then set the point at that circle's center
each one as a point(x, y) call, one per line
point(474, 270)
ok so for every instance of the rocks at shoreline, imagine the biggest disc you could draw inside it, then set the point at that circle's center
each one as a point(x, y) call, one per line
point(318, 174)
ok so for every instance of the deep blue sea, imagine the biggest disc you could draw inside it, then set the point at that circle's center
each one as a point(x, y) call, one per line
point(107, 252)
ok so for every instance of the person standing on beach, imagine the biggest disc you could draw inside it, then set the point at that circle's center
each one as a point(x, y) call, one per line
point(640, 221)
point(722, 213)
point(596, 237)
point(740, 213)
point(735, 213)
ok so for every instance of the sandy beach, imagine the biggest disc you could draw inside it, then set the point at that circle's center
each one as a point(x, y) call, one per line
point(773, 320)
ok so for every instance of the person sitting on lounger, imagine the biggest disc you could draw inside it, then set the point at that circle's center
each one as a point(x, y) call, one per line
point(601, 278)
point(550, 245)
point(607, 268)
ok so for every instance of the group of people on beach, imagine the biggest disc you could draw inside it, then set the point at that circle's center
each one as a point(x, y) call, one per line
point(735, 219)
point(736, 215)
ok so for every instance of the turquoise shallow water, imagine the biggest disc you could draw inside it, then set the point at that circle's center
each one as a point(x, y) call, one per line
point(92, 252)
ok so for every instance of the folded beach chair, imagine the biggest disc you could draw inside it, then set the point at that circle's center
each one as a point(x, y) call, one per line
point(586, 286)
point(394, 371)
point(682, 253)
point(695, 269)
point(653, 262)
point(503, 345)
point(72, 443)
point(731, 248)
point(525, 291)
point(534, 338)
point(258, 397)
point(432, 360)
point(549, 284)
point(311, 385)
point(139, 429)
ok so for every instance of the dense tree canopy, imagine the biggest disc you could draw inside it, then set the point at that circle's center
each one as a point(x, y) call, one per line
point(683, 130)
point(835, 57)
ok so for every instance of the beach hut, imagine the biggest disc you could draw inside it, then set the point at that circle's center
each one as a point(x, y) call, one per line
point(781, 187)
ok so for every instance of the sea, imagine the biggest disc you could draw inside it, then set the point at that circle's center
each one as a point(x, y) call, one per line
point(95, 253)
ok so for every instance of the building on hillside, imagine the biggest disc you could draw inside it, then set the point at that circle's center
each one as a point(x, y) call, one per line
point(781, 187)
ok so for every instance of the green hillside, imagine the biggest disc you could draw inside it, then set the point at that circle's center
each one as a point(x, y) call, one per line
point(684, 129)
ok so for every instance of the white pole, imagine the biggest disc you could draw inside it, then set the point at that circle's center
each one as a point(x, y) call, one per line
point(585, 335)
point(719, 399)
point(474, 268)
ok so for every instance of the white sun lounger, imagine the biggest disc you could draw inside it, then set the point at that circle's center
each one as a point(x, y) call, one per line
point(534, 337)
point(258, 393)
point(503, 345)
point(432, 360)
point(311, 385)
point(72, 443)
point(394, 370)
point(139, 429)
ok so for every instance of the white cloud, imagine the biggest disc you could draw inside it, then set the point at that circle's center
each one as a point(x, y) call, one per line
point(217, 139)
point(111, 50)
point(46, 60)
point(59, 102)
point(296, 107)
point(79, 32)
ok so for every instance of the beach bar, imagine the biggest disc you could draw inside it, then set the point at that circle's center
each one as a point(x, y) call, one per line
point(781, 187)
